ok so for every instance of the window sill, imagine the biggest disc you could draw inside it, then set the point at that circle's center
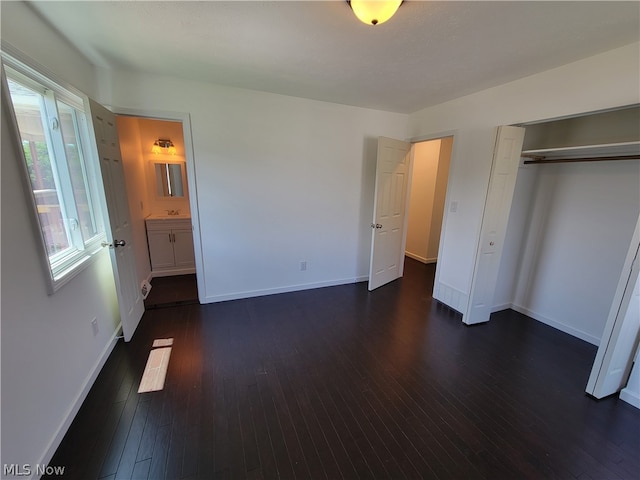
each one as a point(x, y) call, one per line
point(74, 264)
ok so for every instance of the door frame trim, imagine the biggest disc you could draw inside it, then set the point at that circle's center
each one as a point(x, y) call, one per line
point(447, 196)
point(185, 119)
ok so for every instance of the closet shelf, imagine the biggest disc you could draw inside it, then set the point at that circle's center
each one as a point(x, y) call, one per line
point(584, 153)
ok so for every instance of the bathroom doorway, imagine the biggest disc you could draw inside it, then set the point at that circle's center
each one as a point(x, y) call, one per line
point(155, 160)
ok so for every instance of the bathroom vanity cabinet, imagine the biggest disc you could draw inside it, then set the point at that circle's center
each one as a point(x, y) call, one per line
point(170, 240)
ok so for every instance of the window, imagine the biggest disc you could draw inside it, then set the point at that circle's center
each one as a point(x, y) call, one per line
point(54, 137)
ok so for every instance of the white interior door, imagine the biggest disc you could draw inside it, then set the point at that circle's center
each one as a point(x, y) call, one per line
point(389, 211)
point(620, 337)
point(504, 170)
point(119, 229)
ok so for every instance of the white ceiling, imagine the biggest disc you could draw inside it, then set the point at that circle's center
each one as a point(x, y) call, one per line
point(428, 53)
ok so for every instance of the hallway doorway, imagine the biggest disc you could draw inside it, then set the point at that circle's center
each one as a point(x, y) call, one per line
point(430, 175)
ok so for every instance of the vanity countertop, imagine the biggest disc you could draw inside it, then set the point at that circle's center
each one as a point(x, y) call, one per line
point(165, 216)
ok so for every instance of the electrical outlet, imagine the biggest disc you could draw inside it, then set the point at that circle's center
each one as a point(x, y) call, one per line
point(303, 266)
point(453, 208)
point(94, 326)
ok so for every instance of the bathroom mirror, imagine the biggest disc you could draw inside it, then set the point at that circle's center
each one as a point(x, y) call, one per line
point(169, 179)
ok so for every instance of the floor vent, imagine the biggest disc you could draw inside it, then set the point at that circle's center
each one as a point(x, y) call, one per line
point(145, 288)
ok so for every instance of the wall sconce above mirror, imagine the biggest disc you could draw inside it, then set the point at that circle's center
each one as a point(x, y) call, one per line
point(169, 179)
point(163, 145)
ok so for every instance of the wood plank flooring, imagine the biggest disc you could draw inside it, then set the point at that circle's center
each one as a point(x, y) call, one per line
point(344, 383)
point(172, 291)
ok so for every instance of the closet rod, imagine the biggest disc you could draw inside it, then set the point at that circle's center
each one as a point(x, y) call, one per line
point(537, 159)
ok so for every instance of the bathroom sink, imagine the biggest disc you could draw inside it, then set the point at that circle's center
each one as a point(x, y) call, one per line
point(166, 216)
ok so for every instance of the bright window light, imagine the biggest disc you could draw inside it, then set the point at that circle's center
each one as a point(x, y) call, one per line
point(53, 132)
point(155, 371)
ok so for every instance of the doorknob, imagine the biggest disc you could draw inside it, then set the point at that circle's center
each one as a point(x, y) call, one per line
point(116, 243)
point(376, 225)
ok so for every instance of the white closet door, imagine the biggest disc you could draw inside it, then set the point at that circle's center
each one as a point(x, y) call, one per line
point(504, 170)
point(619, 340)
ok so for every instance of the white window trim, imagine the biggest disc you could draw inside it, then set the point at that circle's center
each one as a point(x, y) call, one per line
point(60, 270)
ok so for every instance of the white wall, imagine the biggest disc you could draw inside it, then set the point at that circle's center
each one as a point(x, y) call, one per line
point(603, 81)
point(50, 354)
point(421, 199)
point(279, 180)
point(26, 32)
point(580, 225)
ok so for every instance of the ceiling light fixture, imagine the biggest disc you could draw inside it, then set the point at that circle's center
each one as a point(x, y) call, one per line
point(163, 144)
point(374, 12)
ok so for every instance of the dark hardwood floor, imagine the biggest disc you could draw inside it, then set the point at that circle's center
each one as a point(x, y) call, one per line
point(172, 291)
point(343, 383)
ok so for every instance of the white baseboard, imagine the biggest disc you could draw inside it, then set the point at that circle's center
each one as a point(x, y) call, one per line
point(421, 259)
point(631, 397)
point(416, 257)
point(79, 399)
point(172, 272)
point(290, 288)
point(558, 325)
point(498, 308)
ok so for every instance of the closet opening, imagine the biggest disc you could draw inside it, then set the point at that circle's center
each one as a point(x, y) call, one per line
point(571, 228)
